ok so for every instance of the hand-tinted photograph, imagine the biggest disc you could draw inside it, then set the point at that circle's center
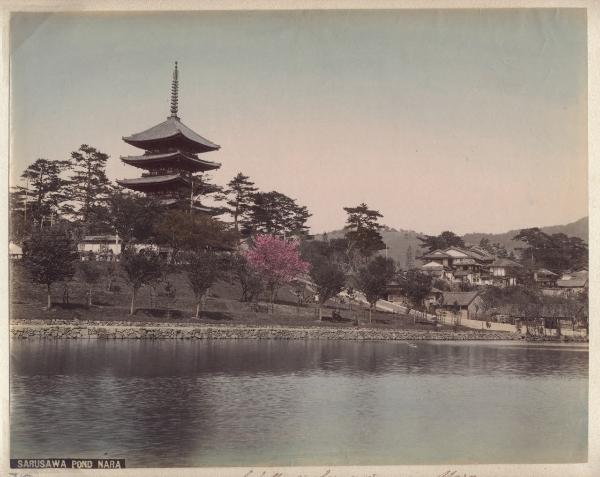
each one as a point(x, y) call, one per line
point(298, 238)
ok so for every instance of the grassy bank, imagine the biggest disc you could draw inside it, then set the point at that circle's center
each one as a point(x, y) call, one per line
point(223, 306)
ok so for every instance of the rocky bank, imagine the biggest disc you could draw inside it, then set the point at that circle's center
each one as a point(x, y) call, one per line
point(57, 329)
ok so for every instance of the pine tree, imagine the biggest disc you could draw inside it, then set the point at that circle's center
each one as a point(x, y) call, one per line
point(275, 213)
point(362, 229)
point(89, 188)
point(44, 192)
point(238, 196)
point(444, 240)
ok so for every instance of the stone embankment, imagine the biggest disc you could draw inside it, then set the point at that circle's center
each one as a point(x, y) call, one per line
point(128, 330)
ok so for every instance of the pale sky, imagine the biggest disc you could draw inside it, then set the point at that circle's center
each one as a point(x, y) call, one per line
point(470, 120)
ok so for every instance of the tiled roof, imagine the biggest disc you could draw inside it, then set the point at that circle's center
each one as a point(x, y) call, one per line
point(465, 261)
point(152, 179)
point(458, 252)
point(481, 252)
point(545, 271)
point(461, 298)
point(580, 274)
point(436, 254)
point(505, 262)
point(171, 128)
point(572, 283)
point(433, 265)
point(148, 159)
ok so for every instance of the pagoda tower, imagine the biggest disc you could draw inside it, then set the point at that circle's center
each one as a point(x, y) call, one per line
point(170, 159)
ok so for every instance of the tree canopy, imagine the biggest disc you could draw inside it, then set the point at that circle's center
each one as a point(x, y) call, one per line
point(132, 216)
point(362, 230)
point(141, 268)
point(239, 196)
point(276, 260)
point(44, 192)
point(373, 278)
point(274, 213)
point(444, 240)
point(556, 252)
point(181, 230)
point(50, 257)
point(329, 280)
point(202, 270)
point(416, 285)
point(89, 188)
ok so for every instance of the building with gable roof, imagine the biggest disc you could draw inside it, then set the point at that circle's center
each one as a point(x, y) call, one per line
point(472, 265)
point(466, 305)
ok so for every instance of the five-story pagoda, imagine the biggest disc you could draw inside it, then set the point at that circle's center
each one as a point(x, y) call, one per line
point(170, 159)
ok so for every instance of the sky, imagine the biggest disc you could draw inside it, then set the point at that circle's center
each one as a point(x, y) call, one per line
point(464, 120)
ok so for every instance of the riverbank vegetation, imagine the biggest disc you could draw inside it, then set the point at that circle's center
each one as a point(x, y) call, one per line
point(261, 266)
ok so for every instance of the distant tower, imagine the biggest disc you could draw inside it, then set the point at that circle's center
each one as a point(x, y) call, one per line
point(170, 159)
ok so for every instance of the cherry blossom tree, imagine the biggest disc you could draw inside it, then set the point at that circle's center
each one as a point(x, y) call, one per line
point(277, 261)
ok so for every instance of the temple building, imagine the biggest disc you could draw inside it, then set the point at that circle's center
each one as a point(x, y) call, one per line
point(173, 168)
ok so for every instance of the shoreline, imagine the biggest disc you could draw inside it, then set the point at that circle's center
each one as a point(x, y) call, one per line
point(59, 329)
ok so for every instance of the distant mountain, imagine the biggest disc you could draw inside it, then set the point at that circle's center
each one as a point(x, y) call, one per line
point(578, 228)
point(398, 241)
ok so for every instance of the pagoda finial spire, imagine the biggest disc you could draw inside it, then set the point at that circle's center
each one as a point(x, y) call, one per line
point(174, 92)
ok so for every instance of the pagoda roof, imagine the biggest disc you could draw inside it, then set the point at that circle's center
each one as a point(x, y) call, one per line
point(191, 162)
point(201, 208)
point(168, 131)
point(149, 183)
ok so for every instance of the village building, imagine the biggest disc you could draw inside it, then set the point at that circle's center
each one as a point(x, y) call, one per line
point(15, 251)
point(569, 284)
point(465, 305)
point(572, 286)
point(503, 272)
point(173, 168)
point(437, 270)
point(545, 278)
point(582, 274)
point(99, 247)
point(457, 264)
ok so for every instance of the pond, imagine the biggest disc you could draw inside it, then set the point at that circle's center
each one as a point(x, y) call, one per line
point(242, 402)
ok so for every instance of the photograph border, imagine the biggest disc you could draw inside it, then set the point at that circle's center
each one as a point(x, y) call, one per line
point(592, 467)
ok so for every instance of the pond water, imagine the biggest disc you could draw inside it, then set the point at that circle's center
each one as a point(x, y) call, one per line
point(241, 403)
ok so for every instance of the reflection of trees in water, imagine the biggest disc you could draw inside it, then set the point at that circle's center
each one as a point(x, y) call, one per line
point(177, 358)
point(176, 400)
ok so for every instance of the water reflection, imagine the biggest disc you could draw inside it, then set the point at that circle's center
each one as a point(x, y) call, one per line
point(246, 357)
point(190, 403)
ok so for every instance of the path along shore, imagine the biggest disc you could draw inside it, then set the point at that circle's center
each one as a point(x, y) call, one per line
point(131, 330)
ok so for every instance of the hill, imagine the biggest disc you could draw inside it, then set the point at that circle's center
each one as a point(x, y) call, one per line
point(398, 241)
point(578, 228)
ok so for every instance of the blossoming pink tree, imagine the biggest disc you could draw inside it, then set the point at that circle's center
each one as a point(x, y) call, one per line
point(277, 261)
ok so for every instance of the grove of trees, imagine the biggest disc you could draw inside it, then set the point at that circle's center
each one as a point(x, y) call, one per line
point(265, 246)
